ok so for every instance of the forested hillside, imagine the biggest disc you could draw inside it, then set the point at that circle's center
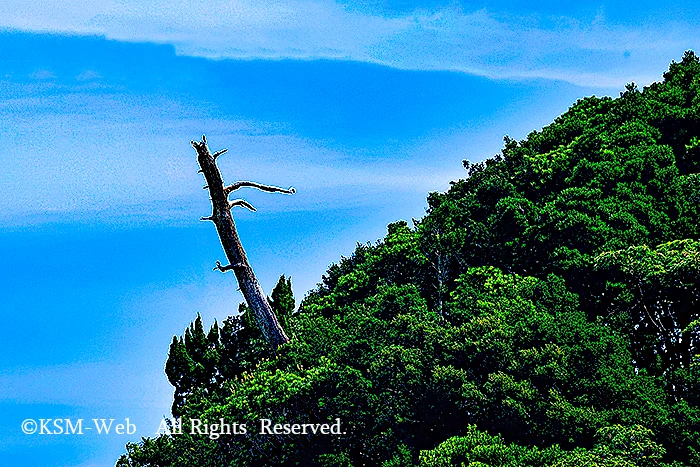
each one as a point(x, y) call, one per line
point(545, 312)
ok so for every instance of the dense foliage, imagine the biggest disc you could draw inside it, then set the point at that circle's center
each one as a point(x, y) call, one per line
point(545, 312)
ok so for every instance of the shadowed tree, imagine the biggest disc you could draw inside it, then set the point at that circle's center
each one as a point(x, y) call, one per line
point(226, 228)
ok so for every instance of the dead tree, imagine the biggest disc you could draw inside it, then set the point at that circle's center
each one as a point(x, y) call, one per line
point(226, 228)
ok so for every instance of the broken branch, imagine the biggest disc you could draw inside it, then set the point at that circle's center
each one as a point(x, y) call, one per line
point(229, 267)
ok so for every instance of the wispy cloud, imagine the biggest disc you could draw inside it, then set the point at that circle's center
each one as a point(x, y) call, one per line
point(42, 75)
point(79, 154)
point(88, 75)
point(590, 52)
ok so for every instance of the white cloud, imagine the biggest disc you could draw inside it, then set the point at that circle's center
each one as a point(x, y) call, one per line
point(482, 42)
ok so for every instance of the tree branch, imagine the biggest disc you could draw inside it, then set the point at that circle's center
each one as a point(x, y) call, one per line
point(218, 153)
point(241, 202)
point(269, 188)
point(229, 267)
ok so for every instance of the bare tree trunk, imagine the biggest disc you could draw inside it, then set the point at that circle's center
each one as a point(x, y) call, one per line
point(226, 228)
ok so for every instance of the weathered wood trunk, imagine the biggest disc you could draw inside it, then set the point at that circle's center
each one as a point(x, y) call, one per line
point(226, 228)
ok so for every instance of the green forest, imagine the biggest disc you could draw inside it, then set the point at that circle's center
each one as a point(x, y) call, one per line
point(544, 312)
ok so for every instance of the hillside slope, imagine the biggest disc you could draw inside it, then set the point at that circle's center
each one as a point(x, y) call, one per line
point(545, 311)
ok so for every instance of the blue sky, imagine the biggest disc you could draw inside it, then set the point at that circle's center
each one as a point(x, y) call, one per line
point(363, 106)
